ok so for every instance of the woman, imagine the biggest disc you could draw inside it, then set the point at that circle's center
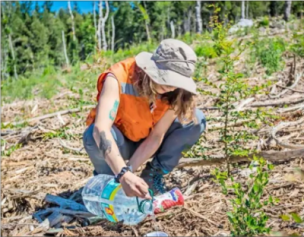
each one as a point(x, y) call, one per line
point(146, 108)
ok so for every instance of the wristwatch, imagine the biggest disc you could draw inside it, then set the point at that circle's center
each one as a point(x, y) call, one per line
point(122, 172)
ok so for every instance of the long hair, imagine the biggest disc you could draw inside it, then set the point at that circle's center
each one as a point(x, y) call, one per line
point(181, 101)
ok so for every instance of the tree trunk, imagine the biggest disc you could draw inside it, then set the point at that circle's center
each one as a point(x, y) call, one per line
point(243, 9)
point(287, 8)
point(3, 63)
point(185, 23)
point(64, 49)
point(94, 16)
point(13, 55)
point(189, 19)
point(168, 20)
point(73, 23)
point(113, 34)
point(179, 32)
point(109, 34)
point(247, 10)
point(101, 27)
point(172, 30)
point(273, 8)
point(147, 20)
point(148, 32)
point(199, 21)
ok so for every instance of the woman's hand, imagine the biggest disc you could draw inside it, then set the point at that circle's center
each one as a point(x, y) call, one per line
point(134, 186)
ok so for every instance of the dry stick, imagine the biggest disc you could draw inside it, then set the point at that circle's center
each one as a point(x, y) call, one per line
point(79, 150)
point(219, 125)
point(51, 115)
point(283, 110)
point(267, 155)
point(284, 87)
point(283, 125)
point(200, 216)
point(191, 188)
point(288, 100)
point(298, 77)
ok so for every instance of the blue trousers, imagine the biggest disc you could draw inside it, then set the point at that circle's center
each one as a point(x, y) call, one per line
point(178, 138)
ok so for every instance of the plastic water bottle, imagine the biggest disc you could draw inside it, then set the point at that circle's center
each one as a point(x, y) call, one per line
point(105, 198)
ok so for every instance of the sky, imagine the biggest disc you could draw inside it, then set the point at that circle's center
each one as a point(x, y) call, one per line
point(84, 6)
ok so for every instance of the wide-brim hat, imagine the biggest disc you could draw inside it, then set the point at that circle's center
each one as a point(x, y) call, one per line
point(172, 64)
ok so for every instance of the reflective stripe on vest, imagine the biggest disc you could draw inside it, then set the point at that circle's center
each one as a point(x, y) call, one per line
point(128, 89)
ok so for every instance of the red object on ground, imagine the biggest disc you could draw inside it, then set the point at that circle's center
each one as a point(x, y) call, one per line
point(167, 200)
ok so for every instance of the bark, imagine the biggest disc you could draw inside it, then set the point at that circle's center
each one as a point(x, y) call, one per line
point(113, 34)
point(13, 55)
point(247, 10)
point(273, 10)
point(243, 9)
point(102, 42)
point(64, 49)
point(273, 156)
point(185, 23)
point(287, 8)
point(172, 30)
point(73, 23)
point(94, 16)
point(199, 21)
point(293, 99)
point(179, 30)
point(189, 19)
point(146, 21)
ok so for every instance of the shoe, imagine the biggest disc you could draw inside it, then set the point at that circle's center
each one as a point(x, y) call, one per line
point(153, 176)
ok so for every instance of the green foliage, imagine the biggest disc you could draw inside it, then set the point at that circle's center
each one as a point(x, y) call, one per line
point(44, 85)
point(293, 216)
point(234, 88)
point(264, 22)
point(297, 47)
point(205, 50)
point(247, 217)
point(60, 133)
point(10, 150)
point(269, 53)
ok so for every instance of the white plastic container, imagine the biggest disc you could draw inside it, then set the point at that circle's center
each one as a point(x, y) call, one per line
point(103, 197)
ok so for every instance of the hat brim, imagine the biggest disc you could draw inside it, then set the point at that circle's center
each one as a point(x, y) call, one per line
point(164, 76)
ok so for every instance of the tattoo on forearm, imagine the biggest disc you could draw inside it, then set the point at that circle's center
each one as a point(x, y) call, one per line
point(105, 144)
point(113, 111)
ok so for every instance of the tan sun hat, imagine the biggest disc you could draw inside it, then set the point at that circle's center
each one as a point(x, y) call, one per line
point(172, 64)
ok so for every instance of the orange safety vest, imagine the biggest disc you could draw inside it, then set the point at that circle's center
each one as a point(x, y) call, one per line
point(134, 117)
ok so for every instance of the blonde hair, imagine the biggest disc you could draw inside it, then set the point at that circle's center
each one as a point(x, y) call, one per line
point(181, 101)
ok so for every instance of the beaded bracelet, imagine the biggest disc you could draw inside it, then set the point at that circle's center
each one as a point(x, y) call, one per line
point(121, 173)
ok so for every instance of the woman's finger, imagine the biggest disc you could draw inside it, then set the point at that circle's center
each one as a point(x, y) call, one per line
point(144, 191)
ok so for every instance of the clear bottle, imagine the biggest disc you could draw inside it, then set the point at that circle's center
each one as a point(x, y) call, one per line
point(103, 197)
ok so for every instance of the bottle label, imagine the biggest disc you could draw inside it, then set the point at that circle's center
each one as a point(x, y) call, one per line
point(167, 200)
point(109, 193)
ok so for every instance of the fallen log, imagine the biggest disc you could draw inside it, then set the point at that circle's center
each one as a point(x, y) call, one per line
point(297, 79)
point(233, 124)
point(267, 155)
point(68, 111)
point(294, 99)
point(283, 125)
point(297, 107)
point(78, 150)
